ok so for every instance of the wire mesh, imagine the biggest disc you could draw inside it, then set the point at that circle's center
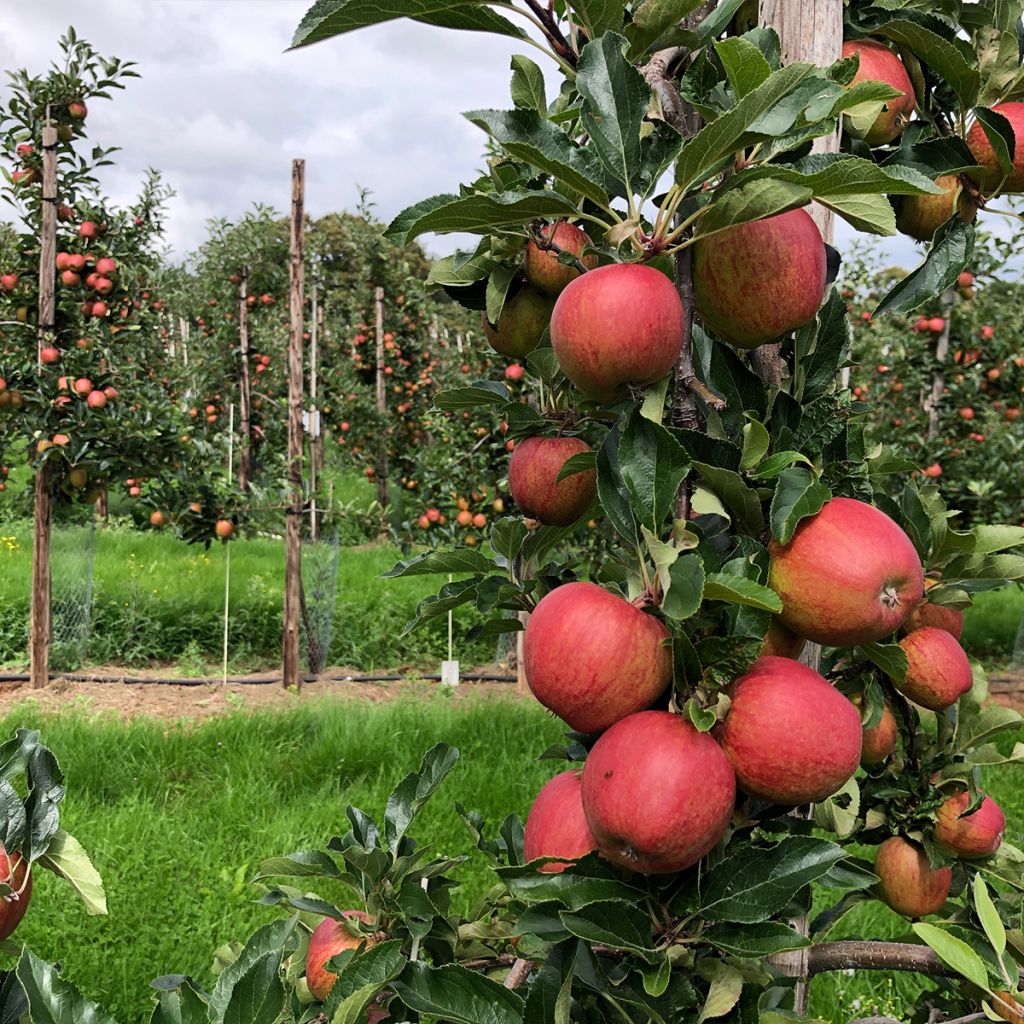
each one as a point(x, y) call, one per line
point(72, 553)
point(319, 592)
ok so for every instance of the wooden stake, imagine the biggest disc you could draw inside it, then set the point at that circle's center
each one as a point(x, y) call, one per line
point(244, 386)
point(39, 631)
point(314, 437)
point(382, 400)
point(292, 536)
point(808, 31)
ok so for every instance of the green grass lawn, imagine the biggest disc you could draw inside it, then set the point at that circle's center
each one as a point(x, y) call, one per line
point(178, 818)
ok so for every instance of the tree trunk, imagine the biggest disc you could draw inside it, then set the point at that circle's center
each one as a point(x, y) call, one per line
point(382, 400)
point(244, 405)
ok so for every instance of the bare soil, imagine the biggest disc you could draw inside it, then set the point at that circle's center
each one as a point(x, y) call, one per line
point(107, 693)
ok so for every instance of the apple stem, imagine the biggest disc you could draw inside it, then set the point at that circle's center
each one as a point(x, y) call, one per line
point(545, 243)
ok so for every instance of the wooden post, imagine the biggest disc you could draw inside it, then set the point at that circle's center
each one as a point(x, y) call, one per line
point(244, 386)
point(808, 31)
point(314, 436)
point(292, 536)
point(39, 632)
point(322, 334)
point(382, 400)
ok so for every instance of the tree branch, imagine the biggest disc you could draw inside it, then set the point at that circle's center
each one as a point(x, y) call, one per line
point(554, 33)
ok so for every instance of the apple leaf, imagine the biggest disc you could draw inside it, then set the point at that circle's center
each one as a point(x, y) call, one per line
point(434, 563)
point(14, 1005)
point(66, 857)
point(615, 99)
point(581, 462)
point(527, 87)
point(361, 979)
point(930, 39)
point(756, 442)
point(180, 1005)
point(622, 924)
point(745, 65)
point(721, 586)
point(652, 463)
point(741, 501)
point(762, 197)
point(754, 941)
point(864, 211)
point(530, 136)
point(303, 864)
point(954, 952)
point(507, 537)
point(753, 884)
point(263, 946)
point(612, 493)
point(453, 993)
point(1000, 135)
point(409, 796)
point(462, 267)
point(684, 595)
point(328, 18)
point(257, 995)
point(951, 251)
point(480, 392)
point(775, 464)
point(995, 930)
point(53, 999)
point(725, 989)
point(599, 16)
point(477, 213)
point(652, 18)
point(798, 495)
point(890, 658)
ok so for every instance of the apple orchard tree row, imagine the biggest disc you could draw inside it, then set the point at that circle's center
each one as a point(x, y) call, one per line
point(662, 874)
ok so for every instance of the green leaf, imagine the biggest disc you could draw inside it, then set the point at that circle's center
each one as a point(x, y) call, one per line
point(433, 563)
point(652, 464)
point(617, 923)
point(721, 586)
point(615, 101)
point(864, 212)
point(181, 1005)
point(571, 890)
point(890, 658)
point(753, 885)
point(611, 490)
point(479, 393)
point(528, 85)
point(303, 864)
point(726, 134)
point(754, 941)
point(830, 175)
point(252, 964)
point(653, 18)
point(687, 588)
point(528, 135)
point(995, 931)
point(599, 16)
point(741, 501)
point(550, 997)
point(798, 494)
point(724, 991)
point(66, 857)
point(478, 213)
point(818, 369)
point(1000, 135)
point(327, 18)
point(507, 536)
point(941, 51)
point(462, 267)
point(409, 796)
point(257, 996)
point(954, 953)
point(745, 65)
point(455, 994)
point(951, 251)
point(52, 999)
point(581, 462)
point(761, 198)
point(362, 977)
point(775, 464)
point(756, 442)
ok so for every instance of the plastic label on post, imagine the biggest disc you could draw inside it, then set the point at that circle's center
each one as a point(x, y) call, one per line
point(449, 673)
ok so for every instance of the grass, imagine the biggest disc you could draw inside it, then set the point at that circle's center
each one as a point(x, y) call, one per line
point(177, 818)
point(158, 599)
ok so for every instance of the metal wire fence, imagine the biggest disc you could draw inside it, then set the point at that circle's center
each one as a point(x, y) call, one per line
point(71, 559)
point(319, 593)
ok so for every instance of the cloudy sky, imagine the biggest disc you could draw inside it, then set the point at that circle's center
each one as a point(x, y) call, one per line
point(221, 109)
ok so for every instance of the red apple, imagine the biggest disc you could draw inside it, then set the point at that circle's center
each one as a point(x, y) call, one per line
point(88, 229)
point(781, 641)
point(15, 872)
point(75, 261)
point(592, 658)
point(49, 355)
point(99, 309)
point(939, 672)
point(105, 266)
point(879, 64)
point(658, 795)
point(514, 372)
point(541, 266)
point(77, 110)
point(921, 216)
point(849, 575)
point(556, 825)
point(791, 737)
point(907, 882)
point(96, 400)
point(757, 281)
point(928, 614)
point(991, 174)
point(157, 519)
point(617, 325)
point(532, 474)
point(103, 285)
point(978, 834)
point(8, 282)
point(82, 386)
point(522, 323)
point(224, 528)
point(879, 740)
point(70, 279)
point(329, 938)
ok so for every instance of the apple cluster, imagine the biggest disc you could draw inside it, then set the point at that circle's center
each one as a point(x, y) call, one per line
point(656, 794)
